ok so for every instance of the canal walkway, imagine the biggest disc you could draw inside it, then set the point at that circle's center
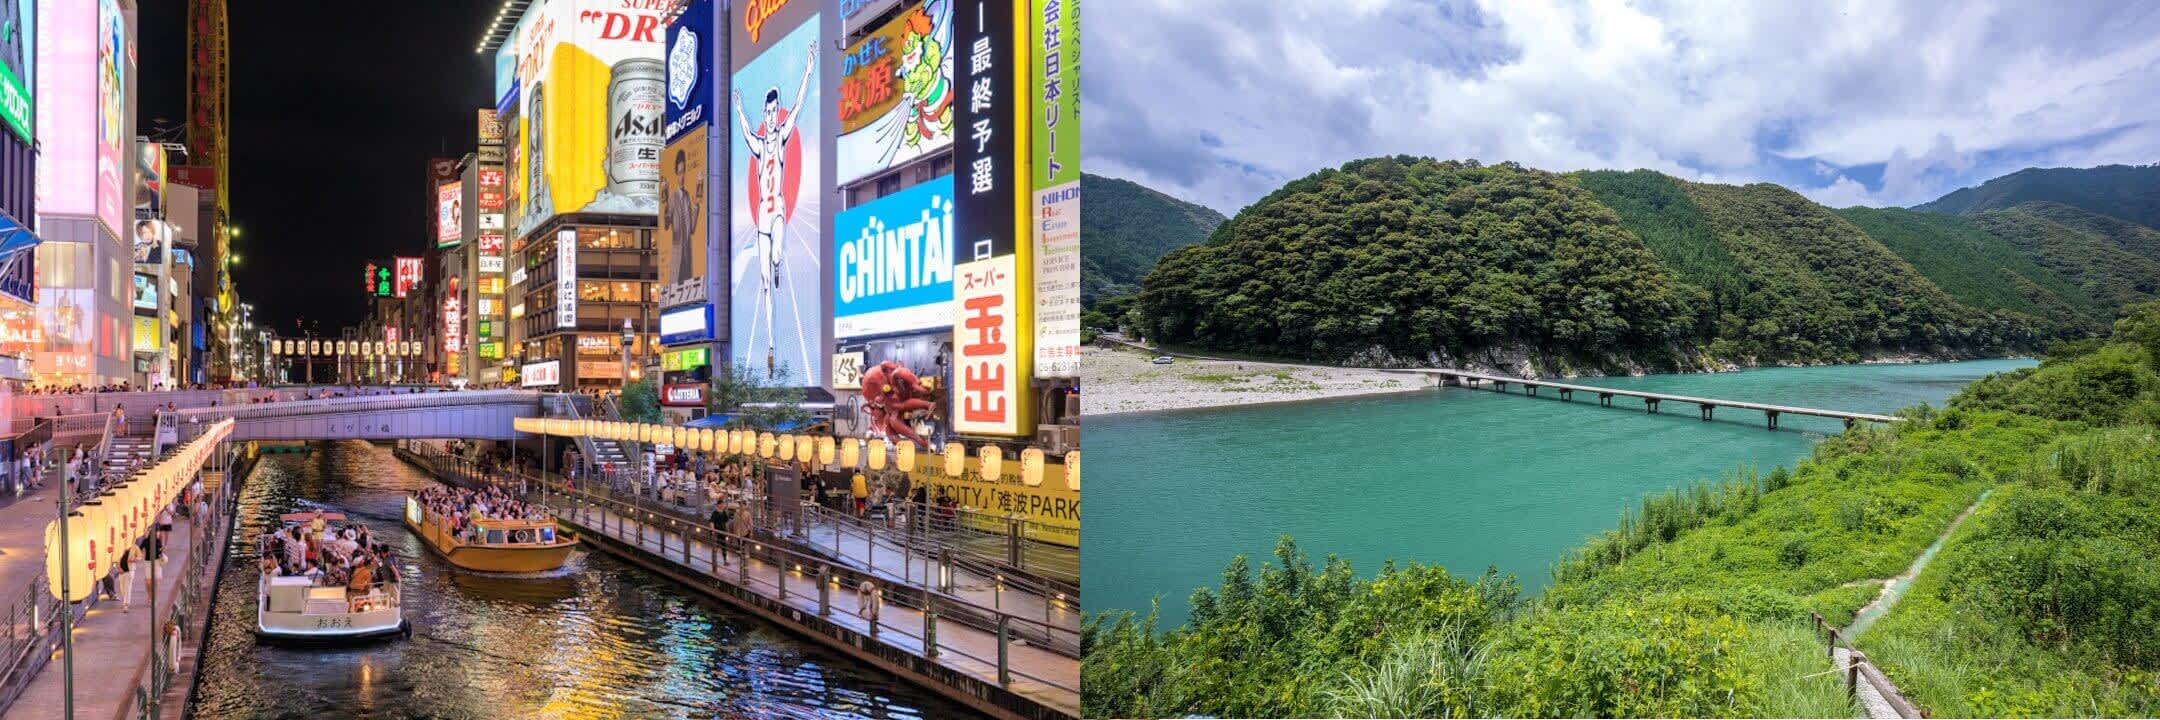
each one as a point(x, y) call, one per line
point(1023, 668)
point(112, 644)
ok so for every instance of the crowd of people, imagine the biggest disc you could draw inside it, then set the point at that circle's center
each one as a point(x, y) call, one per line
point(458, 509)
point(330, 555)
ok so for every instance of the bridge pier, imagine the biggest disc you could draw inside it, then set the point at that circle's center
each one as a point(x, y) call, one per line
point(1604, 399)
point(1706, 408)
point(1772, 415)
point(1529, 389)
point(1650, 405)
point(1849, 422)
point(1500, 385)
point(1567, 395)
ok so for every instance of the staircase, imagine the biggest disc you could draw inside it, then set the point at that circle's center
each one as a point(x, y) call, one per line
point(127, 453)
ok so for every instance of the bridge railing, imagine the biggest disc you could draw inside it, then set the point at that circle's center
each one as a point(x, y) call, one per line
point(377, 403)
point(818, 573)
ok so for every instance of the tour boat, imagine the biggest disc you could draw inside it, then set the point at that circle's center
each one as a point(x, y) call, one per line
point(292, 610)
point(504, 546)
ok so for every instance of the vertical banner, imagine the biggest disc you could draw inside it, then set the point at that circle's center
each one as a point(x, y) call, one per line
point(983, 158)
point(1054, 148)
point(989, 393)
point(776, 313)
point(566, 250)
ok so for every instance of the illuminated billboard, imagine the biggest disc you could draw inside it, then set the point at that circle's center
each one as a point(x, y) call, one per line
point(145, 292)
point(897, 93)
point(989, 392)
point(67, 108)
point(114, 61)
point(892, 262)
point(406, 277)
point(683, 205)
point(542, 374)
point(146, 334)
point(686, 324)
point(585, 83)
point(690, 51)
point(1054, 166)
point(18, 66)
point(776, 304)
point(449, 213)
point(149, 179)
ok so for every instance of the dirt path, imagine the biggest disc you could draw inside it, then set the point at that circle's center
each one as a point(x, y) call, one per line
point(1893, 589)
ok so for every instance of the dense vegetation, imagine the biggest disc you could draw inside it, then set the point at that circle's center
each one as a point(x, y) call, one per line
point(1979, 269)
point(1126, 228)
point(2111, 275)
point(1418, 259)
point(1402, 260)
point(2130, 192)
point(2045, 602)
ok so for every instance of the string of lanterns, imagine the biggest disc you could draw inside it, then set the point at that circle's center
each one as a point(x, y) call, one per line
point(366, 348)
point(100, 530)
point(824, 450)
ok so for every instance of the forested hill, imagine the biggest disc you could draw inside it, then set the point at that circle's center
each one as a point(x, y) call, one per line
point(2129, 192)
point(1125, 227)
point(1415, 261)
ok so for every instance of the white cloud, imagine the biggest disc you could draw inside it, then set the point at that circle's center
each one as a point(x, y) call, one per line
point(1890, 103)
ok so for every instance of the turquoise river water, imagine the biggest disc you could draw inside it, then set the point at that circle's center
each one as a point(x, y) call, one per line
point(1456, 477)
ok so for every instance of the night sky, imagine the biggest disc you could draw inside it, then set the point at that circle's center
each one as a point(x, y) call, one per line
point(335, 111)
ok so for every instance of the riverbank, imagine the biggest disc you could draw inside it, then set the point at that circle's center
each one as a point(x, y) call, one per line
point(1126, 381)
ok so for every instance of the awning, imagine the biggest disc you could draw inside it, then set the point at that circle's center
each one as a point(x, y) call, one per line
point(18, 260)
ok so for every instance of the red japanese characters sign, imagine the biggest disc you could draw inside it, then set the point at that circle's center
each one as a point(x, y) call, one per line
point(986, 338)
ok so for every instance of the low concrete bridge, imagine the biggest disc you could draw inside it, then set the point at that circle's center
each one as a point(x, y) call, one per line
point(1706, 406)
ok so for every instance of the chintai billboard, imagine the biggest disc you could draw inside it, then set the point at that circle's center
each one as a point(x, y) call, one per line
point(892, 263)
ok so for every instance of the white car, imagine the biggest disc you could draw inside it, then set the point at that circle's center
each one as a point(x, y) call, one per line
point(1162, 360)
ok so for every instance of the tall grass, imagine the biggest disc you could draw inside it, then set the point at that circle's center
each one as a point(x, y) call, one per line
point(1661, 517)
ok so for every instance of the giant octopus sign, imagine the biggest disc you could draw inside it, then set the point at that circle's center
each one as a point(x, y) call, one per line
point(893, 395)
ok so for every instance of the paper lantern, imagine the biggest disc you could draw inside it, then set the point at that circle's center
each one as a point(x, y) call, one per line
point(805, 447)
point(827, 450)
point(83, 568)
point(98, 520)
point(955, 459)
point(1072, 470)
point(991, 462)
point(765, 445)
point(705, 440)
point(1031, 467)
point(876, 452)
point(906, 455)
point(851, 453)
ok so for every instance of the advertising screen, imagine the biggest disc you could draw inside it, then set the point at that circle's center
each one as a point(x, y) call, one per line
point(449, 213)
point(688, 324)
point(146, 334)
point(897, 92)
point(18, 61)
point(67, 109)
point(683, 216)
point(892, 262)
point(407, 277)
point(686, 359)
point(587, 82)
point(149, 179)
point(774, 310)
point(145, 292)
point(114, 62)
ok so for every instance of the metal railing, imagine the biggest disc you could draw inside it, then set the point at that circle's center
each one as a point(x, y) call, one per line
point(32, 636)
point(920, 534)
point(632, 524)
point(1859, 669)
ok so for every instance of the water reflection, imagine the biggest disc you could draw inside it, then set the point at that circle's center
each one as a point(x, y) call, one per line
point(598, 638)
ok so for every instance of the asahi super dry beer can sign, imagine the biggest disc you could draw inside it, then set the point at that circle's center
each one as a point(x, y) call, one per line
point(634, 139)
point(587, 87)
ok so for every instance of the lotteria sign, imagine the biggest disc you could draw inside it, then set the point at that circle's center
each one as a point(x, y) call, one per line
point(893, 269)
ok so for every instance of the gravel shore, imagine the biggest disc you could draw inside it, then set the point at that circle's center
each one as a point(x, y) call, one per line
point(1122, 381)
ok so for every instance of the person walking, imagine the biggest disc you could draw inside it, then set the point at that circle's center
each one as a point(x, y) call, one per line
point(126, 580)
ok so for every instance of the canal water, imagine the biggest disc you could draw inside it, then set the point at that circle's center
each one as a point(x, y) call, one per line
point(599, 638)
point(1461, 478)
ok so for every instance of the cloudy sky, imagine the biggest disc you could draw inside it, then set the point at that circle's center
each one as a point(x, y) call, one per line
point(1853, 103)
